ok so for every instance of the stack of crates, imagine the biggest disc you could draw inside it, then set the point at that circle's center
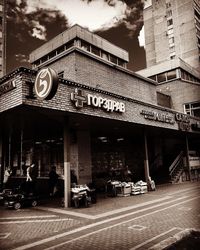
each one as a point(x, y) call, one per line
point(123, 189)
point(135, 189)
point(143, 186)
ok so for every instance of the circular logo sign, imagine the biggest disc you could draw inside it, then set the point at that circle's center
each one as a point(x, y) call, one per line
point(46, 83)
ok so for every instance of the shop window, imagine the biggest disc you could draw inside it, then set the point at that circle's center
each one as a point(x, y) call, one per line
point(95, 50)
point(161, 77)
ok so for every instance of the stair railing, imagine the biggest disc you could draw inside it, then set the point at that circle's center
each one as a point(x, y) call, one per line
point(176, 164)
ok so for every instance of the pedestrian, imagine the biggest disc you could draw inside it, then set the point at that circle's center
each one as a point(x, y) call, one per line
point(53, 181)
point(7, 174)
point(127, 175)
point(73, 178)
point(31, 177)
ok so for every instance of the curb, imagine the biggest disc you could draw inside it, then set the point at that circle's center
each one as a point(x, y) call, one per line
point(173, 239)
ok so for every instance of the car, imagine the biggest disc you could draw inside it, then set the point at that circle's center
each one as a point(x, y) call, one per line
point(18, 199)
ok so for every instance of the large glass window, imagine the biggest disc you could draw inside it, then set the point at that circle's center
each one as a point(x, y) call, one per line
point(171, 75)
point(85, 45)
point(161, 77)
point(104, 55)
point(192, 109)
point(113, 59)
point(95, 50)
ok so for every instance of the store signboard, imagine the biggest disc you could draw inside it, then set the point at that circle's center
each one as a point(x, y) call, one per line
point(80, 98)
point(46, 84)
point(7, 86)
point(158, 116)
point(183, 121)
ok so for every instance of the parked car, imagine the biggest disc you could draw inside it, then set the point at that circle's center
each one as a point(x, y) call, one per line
point(17, 199)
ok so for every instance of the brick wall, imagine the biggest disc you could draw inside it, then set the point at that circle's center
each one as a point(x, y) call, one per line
point(61, 101)
point(86, 70)
point(13, 97)
point(181, 92)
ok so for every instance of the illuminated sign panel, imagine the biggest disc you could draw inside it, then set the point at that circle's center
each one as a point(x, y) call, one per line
point(79, 98)
point(46, 84)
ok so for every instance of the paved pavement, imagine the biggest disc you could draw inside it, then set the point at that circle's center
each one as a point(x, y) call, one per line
point(136, 222)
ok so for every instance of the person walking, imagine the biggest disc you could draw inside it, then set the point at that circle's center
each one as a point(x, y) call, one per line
point(31, 177)
point(7, 174)
point(53, 181)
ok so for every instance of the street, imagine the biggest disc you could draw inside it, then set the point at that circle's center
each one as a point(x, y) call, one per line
point(134, 222)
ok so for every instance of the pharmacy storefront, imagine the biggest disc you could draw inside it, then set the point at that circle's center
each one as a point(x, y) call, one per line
point(57, 122)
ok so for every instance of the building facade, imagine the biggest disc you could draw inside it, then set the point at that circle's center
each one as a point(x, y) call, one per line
point(169, 25)
point(172, 61)
point(2, 38)
point(79, 109)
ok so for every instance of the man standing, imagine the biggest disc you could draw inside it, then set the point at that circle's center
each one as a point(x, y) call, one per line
point(32, 175)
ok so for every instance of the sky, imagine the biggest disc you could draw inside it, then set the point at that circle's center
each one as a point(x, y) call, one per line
point(31, 23)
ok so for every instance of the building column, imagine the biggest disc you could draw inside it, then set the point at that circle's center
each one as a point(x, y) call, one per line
point(21, 150)
point(67, 181)
point(1, 159)
point(9, 147)
point(146, 160)
point(187, 156)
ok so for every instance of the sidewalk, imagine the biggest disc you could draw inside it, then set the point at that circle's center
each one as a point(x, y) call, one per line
point(114, 205)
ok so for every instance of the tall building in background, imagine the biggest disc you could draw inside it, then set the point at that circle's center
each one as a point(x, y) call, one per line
point(2, 37)
point(172, 30)
point(172, 43)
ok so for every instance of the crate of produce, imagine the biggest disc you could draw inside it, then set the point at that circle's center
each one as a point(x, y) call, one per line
point(123, 189)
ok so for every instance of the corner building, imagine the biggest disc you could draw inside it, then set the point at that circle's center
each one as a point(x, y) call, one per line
point(101, 118)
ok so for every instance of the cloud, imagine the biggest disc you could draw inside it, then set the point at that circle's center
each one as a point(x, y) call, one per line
point(141, 38)
point(39, 31)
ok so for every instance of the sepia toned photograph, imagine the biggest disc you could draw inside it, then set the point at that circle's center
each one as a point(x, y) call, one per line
point(100, 124)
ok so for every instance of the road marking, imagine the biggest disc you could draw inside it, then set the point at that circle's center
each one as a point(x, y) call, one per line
point(154, 238)
point(94, 217)
point(52, 238)
point(185, 208)
point(28, 217)
point(116, 211)
point(4, 235)
point(33, 221)
point(137, 227)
